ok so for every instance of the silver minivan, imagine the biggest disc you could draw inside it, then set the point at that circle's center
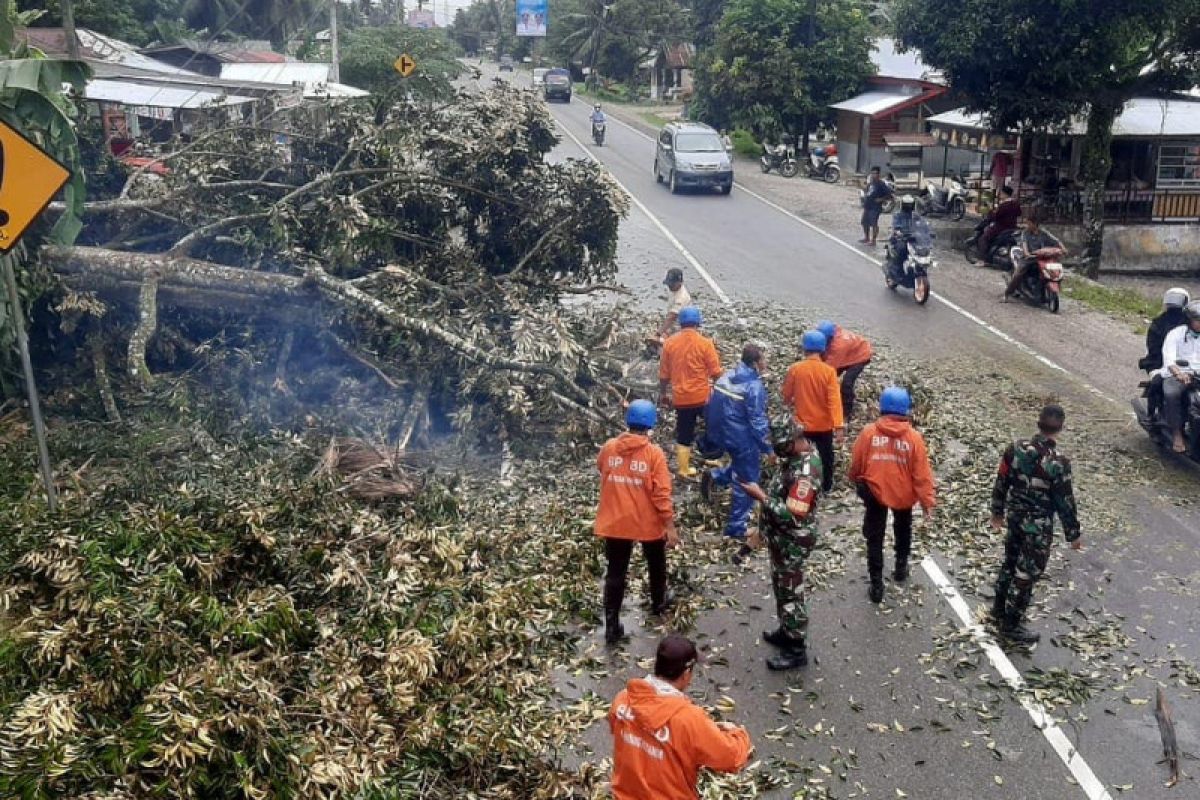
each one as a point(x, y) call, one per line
point(692, 154)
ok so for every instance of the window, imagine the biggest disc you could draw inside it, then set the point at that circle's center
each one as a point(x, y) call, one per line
point(1179, 165)
point(701, 142)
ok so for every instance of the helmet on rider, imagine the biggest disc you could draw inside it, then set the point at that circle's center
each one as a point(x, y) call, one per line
point(596, 107)
point(908, 203)
point(641, 414)
point(895, 400)
point(689, 317)
point(828, 328)
point(813, 342)
point(1192, 312)
point(784, 431)
point(1176, 298)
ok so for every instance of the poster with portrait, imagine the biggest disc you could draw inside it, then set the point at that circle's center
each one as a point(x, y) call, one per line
point(531, 17)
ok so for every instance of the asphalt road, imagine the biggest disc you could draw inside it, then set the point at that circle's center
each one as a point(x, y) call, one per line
point(756, 253)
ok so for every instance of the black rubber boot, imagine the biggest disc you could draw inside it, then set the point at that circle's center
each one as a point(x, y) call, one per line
point(776, 638)
point(666, 605)
point(614, 631)
point(876, 592)
point(792, 655)
point(999, 608)
point(1015, 631)
point(706, 484)
point(900, 574)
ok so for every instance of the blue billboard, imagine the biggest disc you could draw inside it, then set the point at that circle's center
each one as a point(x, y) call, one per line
point(532, 17)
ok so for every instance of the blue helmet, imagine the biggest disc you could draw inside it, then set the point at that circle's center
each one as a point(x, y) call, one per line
point(895, 400)
point(689, 316)
point(813, 342)
point(641, 414)
point(828, 328)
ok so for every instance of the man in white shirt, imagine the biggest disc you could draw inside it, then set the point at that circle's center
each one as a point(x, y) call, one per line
point(678, 299)
point(1181, 344)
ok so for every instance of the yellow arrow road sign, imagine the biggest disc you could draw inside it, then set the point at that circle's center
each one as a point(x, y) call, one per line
point(29, 179)
point(405, 65)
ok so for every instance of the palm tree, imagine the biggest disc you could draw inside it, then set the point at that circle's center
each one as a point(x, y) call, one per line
point(588, 29)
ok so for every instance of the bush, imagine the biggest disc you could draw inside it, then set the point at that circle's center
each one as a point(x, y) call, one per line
point(744, 144)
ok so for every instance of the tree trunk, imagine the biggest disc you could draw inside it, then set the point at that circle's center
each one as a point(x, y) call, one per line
point(1095, 164)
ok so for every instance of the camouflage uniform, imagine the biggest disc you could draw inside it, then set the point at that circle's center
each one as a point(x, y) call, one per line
point(1033, 483)
point(790, 540)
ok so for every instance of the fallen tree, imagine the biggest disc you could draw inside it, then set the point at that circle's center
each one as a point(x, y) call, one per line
point(435, 247)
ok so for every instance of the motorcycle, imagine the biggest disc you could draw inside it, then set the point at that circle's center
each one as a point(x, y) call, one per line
point(780, 158)
point(944, 201)
point(909, 266)
point(1156, 425)
point(1042, 286)
point(598, 133)
point(822, 164)
point(1002, 250)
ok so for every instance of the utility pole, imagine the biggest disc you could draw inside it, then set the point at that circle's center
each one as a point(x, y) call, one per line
point(35, 409)
point(334, 57)
point(808, 43)
point(68, 20)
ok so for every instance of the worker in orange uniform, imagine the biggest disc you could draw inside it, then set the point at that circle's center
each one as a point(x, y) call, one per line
point(635, 506)
point(661, 739)
point(686, 370)
point(848, 353)
point(811, 389)
point(890, 468)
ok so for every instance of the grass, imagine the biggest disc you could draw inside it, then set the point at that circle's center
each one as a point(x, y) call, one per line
point(744, 144)
point(656, 120)
point(1124, 303)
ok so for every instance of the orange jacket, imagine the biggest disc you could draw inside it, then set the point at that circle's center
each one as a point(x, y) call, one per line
point(847, 349)
point(689, 362)
point(635, 490)
point(811, 388)
point(891, 457)
point(661, 740)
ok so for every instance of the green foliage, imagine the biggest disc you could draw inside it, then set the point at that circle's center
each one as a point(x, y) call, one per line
point(762, 75)
point(614, 37)
point(276, 20)
point(745, 145)
point(1062, 56)
point(369, 55)
point(132, 21)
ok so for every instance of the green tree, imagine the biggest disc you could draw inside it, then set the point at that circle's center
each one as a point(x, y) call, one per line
point(706, 16)
point(1036, 64)
point(368, 55)
point(612, 37)
point(132, 21)
point(776, 64)
point(276, 20)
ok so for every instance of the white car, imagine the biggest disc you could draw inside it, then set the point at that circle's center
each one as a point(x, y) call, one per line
point(539, 78)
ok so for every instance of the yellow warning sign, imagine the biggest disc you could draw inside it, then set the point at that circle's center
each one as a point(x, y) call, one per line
point(29, 179)
point(405, 65)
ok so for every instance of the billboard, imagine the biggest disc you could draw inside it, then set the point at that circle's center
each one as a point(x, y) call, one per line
point(421, 18)
point(531, 17)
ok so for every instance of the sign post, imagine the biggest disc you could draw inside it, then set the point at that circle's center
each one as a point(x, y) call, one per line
point(405, 65)
point(29, 179)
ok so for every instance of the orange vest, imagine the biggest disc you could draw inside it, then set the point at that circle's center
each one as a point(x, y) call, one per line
point(847, 349)
point(689, 362)
point(890, 457)
point(635, 490)
point(811, 388)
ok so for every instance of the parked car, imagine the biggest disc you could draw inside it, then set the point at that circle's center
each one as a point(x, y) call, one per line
point(557, 85)
point(539, 77)
point(692, 154)
point(506, 63)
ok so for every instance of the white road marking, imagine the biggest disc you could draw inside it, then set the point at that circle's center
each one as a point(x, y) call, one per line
point(948, 303)
point(1058, 740)
point(691, 259)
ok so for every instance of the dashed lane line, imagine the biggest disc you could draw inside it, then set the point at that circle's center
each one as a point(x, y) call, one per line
point(1058, 740)
point(1054, 735)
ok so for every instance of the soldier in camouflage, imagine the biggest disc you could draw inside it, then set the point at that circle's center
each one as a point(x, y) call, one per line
point(787, 520)
point(1032, 485)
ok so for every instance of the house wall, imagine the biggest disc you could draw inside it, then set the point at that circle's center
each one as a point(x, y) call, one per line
point(1152, 248)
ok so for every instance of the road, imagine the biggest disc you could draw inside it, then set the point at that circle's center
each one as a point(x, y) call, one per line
point(936, 740)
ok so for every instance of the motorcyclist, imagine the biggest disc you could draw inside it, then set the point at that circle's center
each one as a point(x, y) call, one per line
point(903, 222)
point(1001, 219)
point(1032, 239)
point(597, 117)
point(1181, 344)
point(1172, 316)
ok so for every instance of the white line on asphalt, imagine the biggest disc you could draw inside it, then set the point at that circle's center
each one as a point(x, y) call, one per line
point(1070, 756)
point(691, 259)
point(990, 328)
